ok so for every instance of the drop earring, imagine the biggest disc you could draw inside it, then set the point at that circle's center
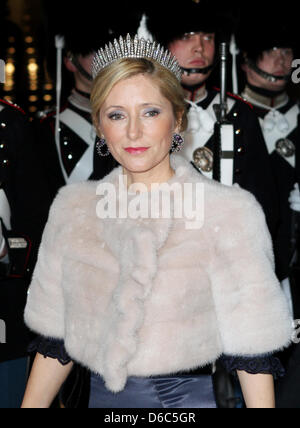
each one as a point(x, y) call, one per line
point(100, 144)
point(177, 143)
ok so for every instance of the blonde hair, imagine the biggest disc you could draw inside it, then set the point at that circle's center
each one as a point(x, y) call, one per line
point(123, 69)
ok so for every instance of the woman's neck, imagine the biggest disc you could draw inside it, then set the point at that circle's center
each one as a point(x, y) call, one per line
point(155, 176)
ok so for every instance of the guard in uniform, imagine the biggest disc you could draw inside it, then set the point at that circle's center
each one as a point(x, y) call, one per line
point(194, 39)
point(24, 205)
point(268, 57)
point(70, 157)
point(267, 62)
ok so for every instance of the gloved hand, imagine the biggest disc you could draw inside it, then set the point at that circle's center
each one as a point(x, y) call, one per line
point(2, 243)
point(294, 198)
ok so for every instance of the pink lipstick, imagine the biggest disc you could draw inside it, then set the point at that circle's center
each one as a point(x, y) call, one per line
point(136, 150)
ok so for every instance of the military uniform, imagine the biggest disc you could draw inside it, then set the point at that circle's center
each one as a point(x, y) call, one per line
point(24, 209)
point(244, 158)
point(247, 162)
point(250, 167)
point(73, 159)
point(279, 120)
point(69, 157)
point(278, 116)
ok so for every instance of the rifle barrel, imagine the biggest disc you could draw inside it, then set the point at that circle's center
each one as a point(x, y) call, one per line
point(223, 58)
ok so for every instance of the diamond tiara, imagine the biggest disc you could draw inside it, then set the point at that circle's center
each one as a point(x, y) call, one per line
point(135, 48)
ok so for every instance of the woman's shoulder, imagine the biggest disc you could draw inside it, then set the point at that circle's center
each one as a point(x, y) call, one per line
point(231, 202)
point(78, 199)
point(219, 200)
point(76, 193)
point(83, 193)
point(234, 195)
point(71, 199)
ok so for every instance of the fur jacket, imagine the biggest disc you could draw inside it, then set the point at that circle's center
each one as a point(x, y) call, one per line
point(142, 297)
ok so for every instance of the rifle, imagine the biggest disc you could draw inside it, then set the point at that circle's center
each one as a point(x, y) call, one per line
point(4, 209)
point(224, 130)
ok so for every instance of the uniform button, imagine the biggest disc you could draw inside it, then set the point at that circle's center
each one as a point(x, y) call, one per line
point(238, 132)
point(235, 114)
point(240, 150)
point(3, 125)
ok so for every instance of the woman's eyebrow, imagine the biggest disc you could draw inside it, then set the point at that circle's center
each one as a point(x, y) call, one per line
point(109, 107)
point(142, 105)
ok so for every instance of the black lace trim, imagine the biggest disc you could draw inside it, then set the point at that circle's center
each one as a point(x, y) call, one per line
point(50, 348)
point(265, 364)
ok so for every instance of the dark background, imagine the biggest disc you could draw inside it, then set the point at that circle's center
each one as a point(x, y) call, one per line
point(28, 28)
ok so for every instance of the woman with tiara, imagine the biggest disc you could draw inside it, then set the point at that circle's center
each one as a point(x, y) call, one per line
point(148, 300)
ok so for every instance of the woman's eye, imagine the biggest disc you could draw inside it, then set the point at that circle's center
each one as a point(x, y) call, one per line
point(115, 116)
point(152, 113)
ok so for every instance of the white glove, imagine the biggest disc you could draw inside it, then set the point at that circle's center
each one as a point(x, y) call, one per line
point(2, 240)
point(276, 119)
point(198, 118)
point(5, 213)
point(294, 198)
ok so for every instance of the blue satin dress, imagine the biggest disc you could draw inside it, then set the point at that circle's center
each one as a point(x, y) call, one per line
point(189, 392)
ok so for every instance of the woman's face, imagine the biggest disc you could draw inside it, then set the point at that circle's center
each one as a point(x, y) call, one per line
point(138, 124)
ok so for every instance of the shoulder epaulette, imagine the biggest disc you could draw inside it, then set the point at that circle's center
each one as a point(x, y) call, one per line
point(49, 114)
point(237, 97)
point(12, 105)
point(44, 115)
